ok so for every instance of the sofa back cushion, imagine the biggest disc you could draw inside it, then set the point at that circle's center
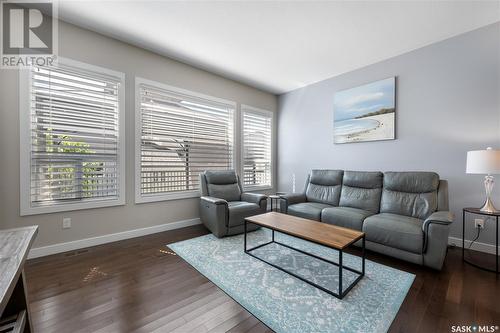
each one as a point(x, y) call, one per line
point(324, 186)
point(223, 185)
point(410, 193)
point(361, 190)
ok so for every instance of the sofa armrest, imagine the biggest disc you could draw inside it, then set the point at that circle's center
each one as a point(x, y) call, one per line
point(293, 198)
point(290, 199)
point(256, 198)
point(439, 217)
point(436, 230)
point(213, 200)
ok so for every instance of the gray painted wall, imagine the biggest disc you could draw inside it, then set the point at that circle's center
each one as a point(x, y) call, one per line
point(86, 46)
point(447, 104)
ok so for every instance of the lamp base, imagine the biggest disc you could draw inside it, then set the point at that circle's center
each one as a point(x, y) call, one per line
point(488, 206)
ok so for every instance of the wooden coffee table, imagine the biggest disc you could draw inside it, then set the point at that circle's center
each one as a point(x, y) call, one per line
point(331, 236)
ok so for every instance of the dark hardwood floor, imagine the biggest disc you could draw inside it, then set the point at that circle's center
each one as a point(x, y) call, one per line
point(138, 285)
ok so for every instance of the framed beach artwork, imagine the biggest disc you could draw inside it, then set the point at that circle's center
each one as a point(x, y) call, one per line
point(366, 113)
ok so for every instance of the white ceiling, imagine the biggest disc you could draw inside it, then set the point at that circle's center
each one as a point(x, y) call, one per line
point(280, 46)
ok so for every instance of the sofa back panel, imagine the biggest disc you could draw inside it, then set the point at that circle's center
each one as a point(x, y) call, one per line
point(323, 194)
point(443, 201)
point(362, 198)
point(229, 192)
point(221, 177)
point(363, 179)
point(411, 182)
point(419, 205)
point(324, 186)
point(361, 190)
point(326, 177)
point(410, 193)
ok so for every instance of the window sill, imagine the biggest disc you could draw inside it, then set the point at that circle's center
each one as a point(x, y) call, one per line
point(257, 188)
point(67, 207)
point(141, 198)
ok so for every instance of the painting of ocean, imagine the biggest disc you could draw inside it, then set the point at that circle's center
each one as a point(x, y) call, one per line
point(366, 113)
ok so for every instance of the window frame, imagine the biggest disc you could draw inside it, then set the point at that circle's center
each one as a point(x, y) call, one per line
point(250, 109)
point(139, 197)
point(25, 83)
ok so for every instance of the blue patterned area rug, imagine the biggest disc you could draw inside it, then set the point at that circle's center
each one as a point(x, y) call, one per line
point(287, 304)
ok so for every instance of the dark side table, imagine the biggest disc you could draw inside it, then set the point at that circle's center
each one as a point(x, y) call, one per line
point(495, 215)
point(275, 201)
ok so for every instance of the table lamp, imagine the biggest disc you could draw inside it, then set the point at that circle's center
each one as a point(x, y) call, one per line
point(486, 162)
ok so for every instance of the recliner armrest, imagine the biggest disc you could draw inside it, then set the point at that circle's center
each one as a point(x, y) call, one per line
point(439, 217)
point(214, 215)
point(255, 198)
point(293, 198)
point(213, 200)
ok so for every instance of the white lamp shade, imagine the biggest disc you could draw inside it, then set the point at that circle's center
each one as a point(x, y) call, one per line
point(483, 161)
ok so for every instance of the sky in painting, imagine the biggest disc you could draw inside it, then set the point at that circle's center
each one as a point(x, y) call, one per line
point(364, 99)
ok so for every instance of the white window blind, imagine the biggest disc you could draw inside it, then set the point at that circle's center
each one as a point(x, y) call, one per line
point(181, 135)
point(74, 136)
point(257, 147)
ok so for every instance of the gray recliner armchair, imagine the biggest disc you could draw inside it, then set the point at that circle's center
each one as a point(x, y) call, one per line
point(223, 205)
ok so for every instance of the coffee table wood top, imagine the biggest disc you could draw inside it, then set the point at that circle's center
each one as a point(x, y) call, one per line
point(322, 233)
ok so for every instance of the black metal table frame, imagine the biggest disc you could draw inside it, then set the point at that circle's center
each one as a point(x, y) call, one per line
point(341, 293)
point(464, 211)
point(274, 203)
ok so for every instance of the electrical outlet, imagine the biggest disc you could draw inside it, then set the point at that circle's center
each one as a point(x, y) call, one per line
point(479, 223)
point(66, 223)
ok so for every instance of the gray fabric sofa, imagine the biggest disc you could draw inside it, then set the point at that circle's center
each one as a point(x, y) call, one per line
point(404, 214)
point(223, 205)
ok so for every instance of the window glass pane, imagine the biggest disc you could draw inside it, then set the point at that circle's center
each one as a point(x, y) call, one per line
point(74, 136)
point(181, 136)
point(257, 145)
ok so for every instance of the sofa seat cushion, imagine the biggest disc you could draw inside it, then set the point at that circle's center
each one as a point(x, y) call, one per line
point(347, 217)
point(238, 210)
point(308, 210)
point(398, 231)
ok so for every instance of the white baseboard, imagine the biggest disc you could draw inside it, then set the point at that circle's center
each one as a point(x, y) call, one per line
point(477, 246)
point(87, 242)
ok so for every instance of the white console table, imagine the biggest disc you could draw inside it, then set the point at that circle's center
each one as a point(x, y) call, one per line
point(14, 307)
